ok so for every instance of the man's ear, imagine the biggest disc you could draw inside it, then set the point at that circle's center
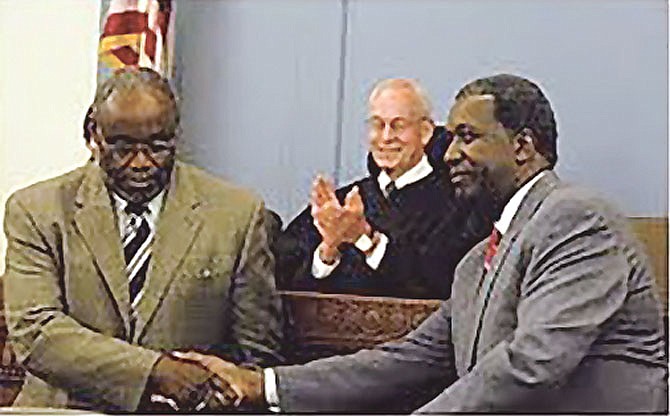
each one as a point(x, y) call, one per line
point(96, 135)
point(524, 146)
point(94, 128)
point(427, 127)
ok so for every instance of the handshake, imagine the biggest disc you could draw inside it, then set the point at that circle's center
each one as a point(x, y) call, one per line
point(193, 382)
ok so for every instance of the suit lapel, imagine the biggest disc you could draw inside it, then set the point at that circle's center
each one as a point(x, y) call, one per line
point(376, 205)
point(530, 204)
point(95, 221)
point(465, 295)
point(177, 227)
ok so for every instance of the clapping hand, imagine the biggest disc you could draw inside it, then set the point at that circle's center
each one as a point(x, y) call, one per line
point(325, 210)
point(353, 220)
point(335, 222)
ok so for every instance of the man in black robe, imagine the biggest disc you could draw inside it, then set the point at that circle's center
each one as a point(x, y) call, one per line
point(397, 232)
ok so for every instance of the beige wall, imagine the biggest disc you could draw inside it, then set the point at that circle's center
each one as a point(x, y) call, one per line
point(47, 79)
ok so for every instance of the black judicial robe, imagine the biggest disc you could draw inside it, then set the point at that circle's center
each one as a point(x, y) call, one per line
point(428, 230)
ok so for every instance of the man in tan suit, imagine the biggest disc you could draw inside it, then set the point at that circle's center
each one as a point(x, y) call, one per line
point(114, 263)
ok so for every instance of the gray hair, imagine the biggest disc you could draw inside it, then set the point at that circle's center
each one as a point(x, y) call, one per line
point(425, 106)
point(129, 78)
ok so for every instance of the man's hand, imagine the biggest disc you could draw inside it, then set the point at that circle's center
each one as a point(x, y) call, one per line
point(185, 386)
point(327, 220)
point(335, 222)
point(326, 210)
point(246, 384)
point(352, 219)
point(323, 191)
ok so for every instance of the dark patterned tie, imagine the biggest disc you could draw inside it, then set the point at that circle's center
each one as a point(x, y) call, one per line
point(391, 192)
point(137, 251)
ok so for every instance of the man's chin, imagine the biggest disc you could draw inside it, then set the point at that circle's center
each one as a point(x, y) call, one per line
point(466, 192)
point(479, 199)
point(140, 195)
point(387, 166)
point(387, 161)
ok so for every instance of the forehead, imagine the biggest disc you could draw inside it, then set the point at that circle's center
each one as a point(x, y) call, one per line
point(394, 102)
point(129, 109)
point(473, 110)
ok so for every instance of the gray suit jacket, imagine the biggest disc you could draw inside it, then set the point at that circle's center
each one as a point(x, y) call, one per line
point(565, 321)
point(210, 286)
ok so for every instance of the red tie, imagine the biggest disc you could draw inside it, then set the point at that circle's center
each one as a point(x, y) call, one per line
point(491, 248)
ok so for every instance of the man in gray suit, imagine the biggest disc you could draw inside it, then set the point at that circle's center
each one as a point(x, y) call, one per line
point(554, 313)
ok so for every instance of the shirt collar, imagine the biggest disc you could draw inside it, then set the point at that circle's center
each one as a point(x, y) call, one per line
point(415, 174)
point(512, 206)
point(154, 206)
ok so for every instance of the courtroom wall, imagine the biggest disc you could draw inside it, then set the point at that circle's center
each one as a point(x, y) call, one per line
point(274, 90)
point(47, 80)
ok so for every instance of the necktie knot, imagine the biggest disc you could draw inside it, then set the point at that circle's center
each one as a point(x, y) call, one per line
point(491, 248)
point(390, 189)
point(135, 209)
point(495, 236)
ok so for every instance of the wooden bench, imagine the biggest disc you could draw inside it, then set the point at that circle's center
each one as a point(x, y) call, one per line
point(653, 233)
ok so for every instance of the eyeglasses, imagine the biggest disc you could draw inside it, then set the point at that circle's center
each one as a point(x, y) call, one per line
point(397, 125)
point(158, 144)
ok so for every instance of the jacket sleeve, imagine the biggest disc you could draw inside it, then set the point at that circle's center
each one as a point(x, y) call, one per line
point(293, 250)
point(48, 342)
point(372, 379)
point(256, 306)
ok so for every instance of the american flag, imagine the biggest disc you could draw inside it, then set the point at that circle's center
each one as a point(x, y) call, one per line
point(137, 33)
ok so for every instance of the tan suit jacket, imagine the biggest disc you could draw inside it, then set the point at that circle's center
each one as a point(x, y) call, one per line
point(210, 286)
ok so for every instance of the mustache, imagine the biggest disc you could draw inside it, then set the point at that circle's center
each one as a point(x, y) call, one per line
point(129, 160)
point(152, 174)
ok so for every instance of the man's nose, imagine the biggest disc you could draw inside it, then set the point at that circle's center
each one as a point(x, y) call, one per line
point(387, 133)
point(453, 154)
point(140, 160)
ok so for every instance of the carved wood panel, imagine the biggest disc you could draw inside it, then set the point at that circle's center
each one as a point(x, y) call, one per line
point(350, 322)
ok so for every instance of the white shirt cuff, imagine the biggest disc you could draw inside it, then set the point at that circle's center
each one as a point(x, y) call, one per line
point(320, 269)
point(374, 259)
point(270, 385)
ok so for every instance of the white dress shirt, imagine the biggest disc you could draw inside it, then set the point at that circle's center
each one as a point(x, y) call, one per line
point(419, 171)
point(512, 206)
point(502, 225)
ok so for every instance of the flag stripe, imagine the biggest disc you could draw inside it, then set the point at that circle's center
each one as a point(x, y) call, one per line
point(126, 55)
point(125, 23)
point(136, 33)
point(113, 42)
